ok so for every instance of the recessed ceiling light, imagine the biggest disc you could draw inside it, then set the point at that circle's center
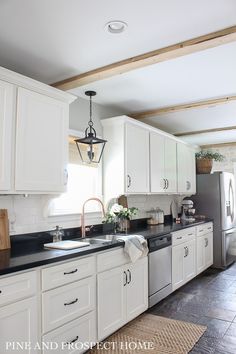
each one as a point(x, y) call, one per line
point(116, 27)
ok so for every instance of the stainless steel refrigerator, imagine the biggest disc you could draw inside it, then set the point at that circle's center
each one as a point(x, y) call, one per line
point(215, 198)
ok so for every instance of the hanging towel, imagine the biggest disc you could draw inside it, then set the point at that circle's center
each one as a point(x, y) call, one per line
point(135, 246)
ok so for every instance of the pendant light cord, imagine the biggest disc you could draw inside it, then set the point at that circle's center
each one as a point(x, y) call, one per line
point(90, 123)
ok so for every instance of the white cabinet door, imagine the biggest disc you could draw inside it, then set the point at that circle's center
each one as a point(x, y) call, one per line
point(41, 143)
point(110, 301)
point(186, 169)
point(137, 159)
point(204, 252)
point(178, 266)
point(200, 254)
point(170, 166)
point(7, 105)
point(183, 263)
point(191, 172)
point(157, 163)
point(208, 247)
point(182, 167)
point(189, 260)
point(19, 323)
point(73, 336)
point(68, 302)
point(163, 168)
point(137, 288)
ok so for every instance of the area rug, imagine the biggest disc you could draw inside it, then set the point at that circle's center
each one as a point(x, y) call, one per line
point(152, 334)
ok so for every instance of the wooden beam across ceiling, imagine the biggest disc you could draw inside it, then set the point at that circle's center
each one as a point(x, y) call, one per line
point(182, 107)
point(190, 46)
point(197, 132)
point(219, 145)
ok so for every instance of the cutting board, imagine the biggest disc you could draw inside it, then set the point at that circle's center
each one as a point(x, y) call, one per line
point(66, 245)
point(4, 230)
point(122, 200)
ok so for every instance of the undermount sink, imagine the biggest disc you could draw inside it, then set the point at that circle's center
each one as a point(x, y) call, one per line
point(95, 241)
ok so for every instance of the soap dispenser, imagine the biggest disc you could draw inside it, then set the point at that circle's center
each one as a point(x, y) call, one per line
point(57, 234)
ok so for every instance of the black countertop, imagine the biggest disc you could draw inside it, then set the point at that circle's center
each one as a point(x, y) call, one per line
point(27, 251)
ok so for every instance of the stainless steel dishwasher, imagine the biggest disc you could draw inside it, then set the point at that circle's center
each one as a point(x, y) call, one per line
point(159, 263)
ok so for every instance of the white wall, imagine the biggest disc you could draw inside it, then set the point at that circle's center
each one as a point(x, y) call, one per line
point(30, 214)
point(79, 114)
point(229, 152)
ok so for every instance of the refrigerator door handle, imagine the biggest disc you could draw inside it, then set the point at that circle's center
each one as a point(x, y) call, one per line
point(231, 192)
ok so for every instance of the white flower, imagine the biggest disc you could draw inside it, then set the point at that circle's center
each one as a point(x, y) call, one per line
point(116, 209)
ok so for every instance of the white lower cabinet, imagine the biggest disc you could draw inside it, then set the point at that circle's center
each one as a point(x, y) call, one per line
point(111, 301)
point(19, 327)
point(137, 289)
point(74, 337)
point(204, 252)
point(192, 253)
point(69, 306)
point(183, 263)
point(122, 295)
point(68, 302)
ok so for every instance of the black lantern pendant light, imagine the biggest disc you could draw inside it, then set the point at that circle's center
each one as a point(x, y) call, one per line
point(90, 147)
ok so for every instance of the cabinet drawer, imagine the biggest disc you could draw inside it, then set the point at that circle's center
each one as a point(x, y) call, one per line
point(67, 272)
point(68, 302)
point(183, 235)
point(73, 335)
point(111, 259)
point(204, 228)
point(17, 287)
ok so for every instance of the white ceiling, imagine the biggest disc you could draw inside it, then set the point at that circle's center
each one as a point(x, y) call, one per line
point(54, 39)
point(196, 119)
point(211, 138)
point(50, 40)
point(207, 74)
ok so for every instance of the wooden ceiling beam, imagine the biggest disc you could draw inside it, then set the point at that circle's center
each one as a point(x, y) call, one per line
point(194, 45)
point(197, 132)
point(219, 145)
point(182, 107)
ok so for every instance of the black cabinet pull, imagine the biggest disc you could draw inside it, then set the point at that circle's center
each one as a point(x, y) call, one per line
point(0, 291)
point(73, 340)
point(129, 276)
point(72, 272)
point(126, 278)
point(71, 303)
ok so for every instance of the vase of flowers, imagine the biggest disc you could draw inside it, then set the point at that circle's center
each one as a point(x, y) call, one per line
point(120, 217)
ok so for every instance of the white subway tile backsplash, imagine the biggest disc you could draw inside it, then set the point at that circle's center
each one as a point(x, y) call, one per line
point(29, 214)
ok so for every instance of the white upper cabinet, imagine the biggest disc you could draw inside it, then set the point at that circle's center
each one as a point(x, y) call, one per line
point(186, 169)
point(126, 157)
point(137, 159)
point(7, 96)
point(34, 121)
point(163, 176)
point(41, 142)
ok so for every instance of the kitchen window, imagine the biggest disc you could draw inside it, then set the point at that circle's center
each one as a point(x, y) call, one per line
point(84, 181)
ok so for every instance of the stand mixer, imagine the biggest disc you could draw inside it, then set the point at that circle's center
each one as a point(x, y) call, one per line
point(188, 211)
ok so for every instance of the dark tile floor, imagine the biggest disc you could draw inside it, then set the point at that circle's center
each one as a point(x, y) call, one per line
point(210, 300)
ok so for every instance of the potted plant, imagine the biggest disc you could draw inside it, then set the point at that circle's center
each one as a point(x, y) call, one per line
point(120, 217)
point(204, 160)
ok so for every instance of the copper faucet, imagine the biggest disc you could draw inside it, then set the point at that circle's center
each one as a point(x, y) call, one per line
point(83, 228)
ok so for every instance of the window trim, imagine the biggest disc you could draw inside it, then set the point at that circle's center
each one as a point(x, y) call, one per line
point(91, 214)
